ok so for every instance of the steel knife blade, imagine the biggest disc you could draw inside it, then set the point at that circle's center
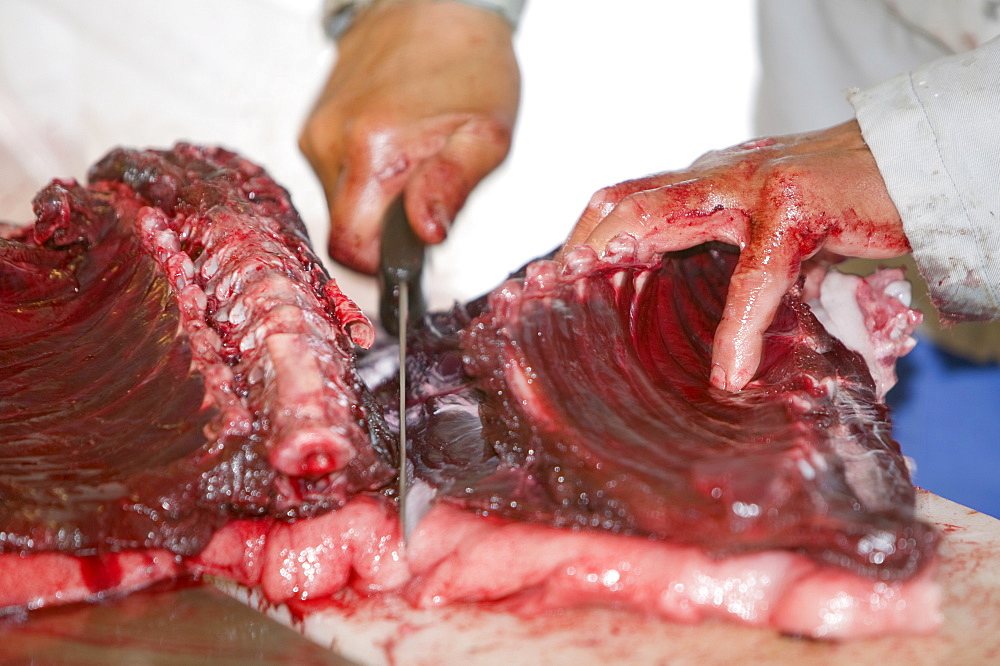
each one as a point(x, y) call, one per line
point(401, 265)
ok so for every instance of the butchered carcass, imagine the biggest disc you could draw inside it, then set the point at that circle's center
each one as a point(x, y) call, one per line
point(172, 356)
point(577, 397)
point(565, 443)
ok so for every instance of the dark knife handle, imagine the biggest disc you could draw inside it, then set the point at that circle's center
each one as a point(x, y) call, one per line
point(401, 259)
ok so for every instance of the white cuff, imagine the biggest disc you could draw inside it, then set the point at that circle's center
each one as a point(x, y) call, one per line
point(511, 10)
point(339, 14)
point(935, 135)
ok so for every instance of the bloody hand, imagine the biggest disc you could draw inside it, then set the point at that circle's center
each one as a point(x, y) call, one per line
point(422, 100)
point(780, 200)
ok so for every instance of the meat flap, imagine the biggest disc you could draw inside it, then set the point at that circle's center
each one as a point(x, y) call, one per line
point(579, 397)
point(174, 355)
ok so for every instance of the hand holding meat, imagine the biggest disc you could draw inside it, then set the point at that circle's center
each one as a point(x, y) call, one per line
point(423, 101)
point(780, 200)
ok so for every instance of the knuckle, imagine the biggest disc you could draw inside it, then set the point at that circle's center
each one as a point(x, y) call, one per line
point(782, 194)
point(320, 138)
point(783, 180)
point(359, 132)
point(490, 131)
point(305, 144)
point(712, 157)
point(632, 207)
point(604, 200)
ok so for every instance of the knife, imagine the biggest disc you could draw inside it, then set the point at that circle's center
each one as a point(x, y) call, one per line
point(401, 264)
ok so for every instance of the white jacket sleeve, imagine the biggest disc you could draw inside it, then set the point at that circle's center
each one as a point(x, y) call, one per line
point(935, 134)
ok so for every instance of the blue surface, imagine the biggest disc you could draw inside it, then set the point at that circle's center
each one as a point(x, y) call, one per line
point(946, 416)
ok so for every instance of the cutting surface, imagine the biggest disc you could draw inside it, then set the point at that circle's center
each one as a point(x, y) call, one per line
point(176, 626)
point(393, 633)
point(195, 625)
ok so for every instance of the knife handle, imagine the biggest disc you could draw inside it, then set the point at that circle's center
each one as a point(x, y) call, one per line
point(401, 259)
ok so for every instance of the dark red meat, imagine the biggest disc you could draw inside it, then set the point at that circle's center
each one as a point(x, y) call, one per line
point(173, 355)
point(178, 394)
point(583, 402)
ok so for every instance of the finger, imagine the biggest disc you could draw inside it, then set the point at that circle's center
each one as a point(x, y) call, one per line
point(323, 149)
point(673, 218)
point(605, 200)
point(439, 186)
point(346, 171)
point(372, 176)
point(355, 222)
point(325, 155)
point(814, 270)
point(756, 288)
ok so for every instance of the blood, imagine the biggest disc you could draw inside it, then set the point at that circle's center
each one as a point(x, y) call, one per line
point(100, 574)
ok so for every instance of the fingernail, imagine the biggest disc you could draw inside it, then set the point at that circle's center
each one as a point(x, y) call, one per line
point(440, 219)
point(738, 381)
point(718, 377)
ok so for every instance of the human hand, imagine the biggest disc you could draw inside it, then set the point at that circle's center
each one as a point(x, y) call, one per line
point(780, 200)
point(422, 100)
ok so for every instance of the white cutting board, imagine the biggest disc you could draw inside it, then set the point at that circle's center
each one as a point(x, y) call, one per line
point(390, 632)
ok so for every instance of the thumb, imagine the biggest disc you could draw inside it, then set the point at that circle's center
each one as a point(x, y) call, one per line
point(440, 184)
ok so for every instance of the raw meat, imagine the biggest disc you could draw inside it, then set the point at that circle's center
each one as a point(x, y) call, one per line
point(583, 402)
point(173, 356)
point(176, 299)
point(455, 556)
point(787, 505)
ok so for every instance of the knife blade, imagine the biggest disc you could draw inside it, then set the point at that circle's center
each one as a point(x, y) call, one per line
point(401, 263)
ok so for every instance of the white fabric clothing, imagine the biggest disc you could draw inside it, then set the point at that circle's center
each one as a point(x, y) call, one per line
point(813, 51)
point(934, 134)
point(929, 113)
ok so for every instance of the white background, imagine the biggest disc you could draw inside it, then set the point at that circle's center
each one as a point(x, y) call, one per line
point(612, 90)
